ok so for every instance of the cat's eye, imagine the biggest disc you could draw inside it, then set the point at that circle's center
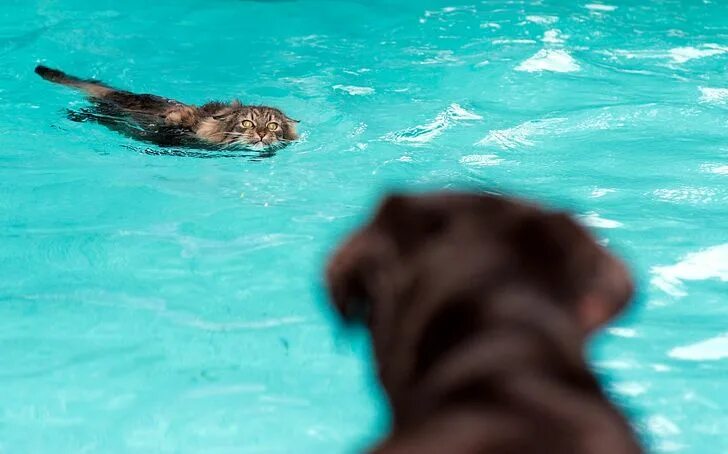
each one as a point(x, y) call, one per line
point(272, 126)
point(247, 124)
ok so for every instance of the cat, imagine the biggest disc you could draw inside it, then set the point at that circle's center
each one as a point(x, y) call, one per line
point(167, 122)
point(479, 307)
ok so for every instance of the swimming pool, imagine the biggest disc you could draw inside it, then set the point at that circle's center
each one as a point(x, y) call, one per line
point(159, 303)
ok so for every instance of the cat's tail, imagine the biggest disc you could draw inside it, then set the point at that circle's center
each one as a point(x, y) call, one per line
point(93, 88)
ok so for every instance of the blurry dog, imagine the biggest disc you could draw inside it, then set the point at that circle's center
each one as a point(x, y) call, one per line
point(479, 307)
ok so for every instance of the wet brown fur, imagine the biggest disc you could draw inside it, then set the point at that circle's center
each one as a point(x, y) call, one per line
point(168, 122)
point(479, 307)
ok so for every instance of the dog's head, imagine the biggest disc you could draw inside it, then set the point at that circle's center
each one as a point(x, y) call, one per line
point(426, 240)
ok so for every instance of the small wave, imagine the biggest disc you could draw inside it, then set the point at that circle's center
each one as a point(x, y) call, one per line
point(353, 90)
point(660, 425)
point(684, 54)
point(554, 60)
point(593, 219)
point(713, 95)
point(600, 7)
point(690, 195)
point(601, 192)
point(715, 168)
point(520, 135)
point(675, 55)
point(448, 10)
point(481, 160)
point(710, 349)
point(631, 389)
point(225, 390)
point(622, 332)
point(420, 135)
point(442, 56)
point(710, 263)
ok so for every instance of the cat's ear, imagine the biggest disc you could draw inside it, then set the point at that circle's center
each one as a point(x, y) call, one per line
point(223, 114)
point(236, 104)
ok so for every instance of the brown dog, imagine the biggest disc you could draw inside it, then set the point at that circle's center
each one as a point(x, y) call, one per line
point(478, 307)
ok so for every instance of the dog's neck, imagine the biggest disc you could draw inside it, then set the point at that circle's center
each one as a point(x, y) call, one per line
point(524, 343)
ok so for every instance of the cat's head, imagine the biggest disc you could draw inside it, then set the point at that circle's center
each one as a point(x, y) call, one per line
point(257, 127)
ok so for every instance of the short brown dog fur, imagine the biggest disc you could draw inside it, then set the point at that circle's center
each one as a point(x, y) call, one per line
point(479, 307)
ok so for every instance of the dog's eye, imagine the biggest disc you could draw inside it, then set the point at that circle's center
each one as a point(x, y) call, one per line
point(272, 126)
point(247, 124)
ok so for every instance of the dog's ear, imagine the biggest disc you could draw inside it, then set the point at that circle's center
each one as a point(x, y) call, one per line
point(609, 294)
point(352, 274)
point(357, 274)
point(410, 221)
point(571, 263)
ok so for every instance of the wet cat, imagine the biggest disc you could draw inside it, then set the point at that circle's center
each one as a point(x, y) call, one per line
point(167, 122)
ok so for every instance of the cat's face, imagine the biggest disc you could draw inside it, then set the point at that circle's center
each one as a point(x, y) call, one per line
point(259, 127)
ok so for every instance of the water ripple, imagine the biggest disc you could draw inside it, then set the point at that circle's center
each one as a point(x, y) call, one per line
point(420, 135)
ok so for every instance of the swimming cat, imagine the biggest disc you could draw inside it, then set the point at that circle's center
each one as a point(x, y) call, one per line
point(167, 122)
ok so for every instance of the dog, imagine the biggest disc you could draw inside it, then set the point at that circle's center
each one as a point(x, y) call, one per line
point(479, 306)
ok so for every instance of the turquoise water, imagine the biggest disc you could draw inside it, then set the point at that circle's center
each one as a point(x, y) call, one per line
point(171, 304)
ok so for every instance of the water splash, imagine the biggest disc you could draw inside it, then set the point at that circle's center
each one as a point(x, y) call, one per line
point(554, 60)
